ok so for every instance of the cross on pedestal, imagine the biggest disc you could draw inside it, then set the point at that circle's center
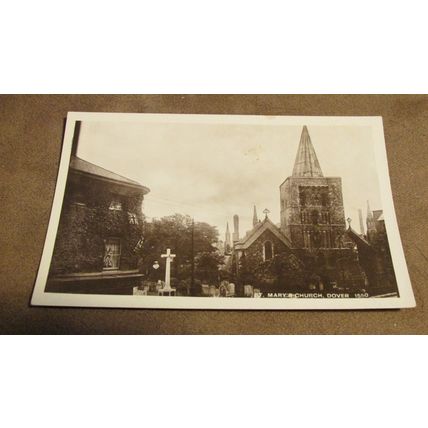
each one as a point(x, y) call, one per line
point(169, 258)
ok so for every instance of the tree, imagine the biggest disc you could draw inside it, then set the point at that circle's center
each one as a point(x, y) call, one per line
point(246, 271)
point(177, 233)
point(289, 271)
point(283, 272)
point(208, 265)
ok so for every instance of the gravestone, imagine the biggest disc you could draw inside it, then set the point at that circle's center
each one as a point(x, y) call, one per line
point(257, 292)
point(205, 290)
point(248, 291)
point(136, 291)
point(231, 289)
point(159, 285)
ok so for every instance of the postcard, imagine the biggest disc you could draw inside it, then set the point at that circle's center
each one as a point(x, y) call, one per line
point(223, 212)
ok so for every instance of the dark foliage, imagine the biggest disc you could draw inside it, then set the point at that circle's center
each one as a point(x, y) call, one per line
point(189, 242)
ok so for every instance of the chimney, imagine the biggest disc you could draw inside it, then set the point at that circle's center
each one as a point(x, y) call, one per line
point(370, 219)
point(235, 228)
point(360, 216)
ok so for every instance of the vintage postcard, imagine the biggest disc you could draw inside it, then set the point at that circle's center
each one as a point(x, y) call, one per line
point(223, 212)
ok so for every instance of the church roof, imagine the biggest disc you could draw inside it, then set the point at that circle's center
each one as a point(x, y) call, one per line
point(83, 166)
point(306, 163)
point(257, 231)
point(357, 238)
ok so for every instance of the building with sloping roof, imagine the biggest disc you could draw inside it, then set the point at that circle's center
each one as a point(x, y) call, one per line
point(266, 229)
point(100, 230)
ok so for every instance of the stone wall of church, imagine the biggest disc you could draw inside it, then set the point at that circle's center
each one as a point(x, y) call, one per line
point(87, 222)
point(284, 271)
point(255, 251)
point(309, 202)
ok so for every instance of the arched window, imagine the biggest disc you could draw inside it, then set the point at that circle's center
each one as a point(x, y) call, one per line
point(267, 251)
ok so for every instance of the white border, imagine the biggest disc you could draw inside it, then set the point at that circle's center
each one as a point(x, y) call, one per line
point(405, 300)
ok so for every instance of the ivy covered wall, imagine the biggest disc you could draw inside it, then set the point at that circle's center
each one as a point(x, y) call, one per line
point(87, 221)
point(301, 198)
point(297, 270)
point(283, 271)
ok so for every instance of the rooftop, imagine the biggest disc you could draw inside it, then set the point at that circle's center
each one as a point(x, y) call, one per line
point(258, 229)
point(357, 238)
point(86, 167)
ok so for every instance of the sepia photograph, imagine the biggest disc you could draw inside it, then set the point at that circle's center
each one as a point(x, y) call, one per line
point(224, 212)
point(210, 197)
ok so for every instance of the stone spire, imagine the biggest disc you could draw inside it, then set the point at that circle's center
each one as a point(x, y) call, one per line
point(369, 212)
point(227, 241)
point(306, 163)
point(255, 219)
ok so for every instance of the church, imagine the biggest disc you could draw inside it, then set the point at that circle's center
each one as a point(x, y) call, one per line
point(310, 249)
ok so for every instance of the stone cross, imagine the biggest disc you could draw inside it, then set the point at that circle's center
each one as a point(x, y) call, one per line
point(169, 258)
point(266, 212)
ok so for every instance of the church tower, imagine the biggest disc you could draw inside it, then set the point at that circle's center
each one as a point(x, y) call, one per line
point(312, 213)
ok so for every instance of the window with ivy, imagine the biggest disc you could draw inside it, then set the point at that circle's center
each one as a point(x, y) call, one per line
point(268, 250)
point(112, 253)
point(115, 206)
point(132, 217)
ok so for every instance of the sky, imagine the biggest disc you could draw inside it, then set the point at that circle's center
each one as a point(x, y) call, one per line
point(212, 171)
